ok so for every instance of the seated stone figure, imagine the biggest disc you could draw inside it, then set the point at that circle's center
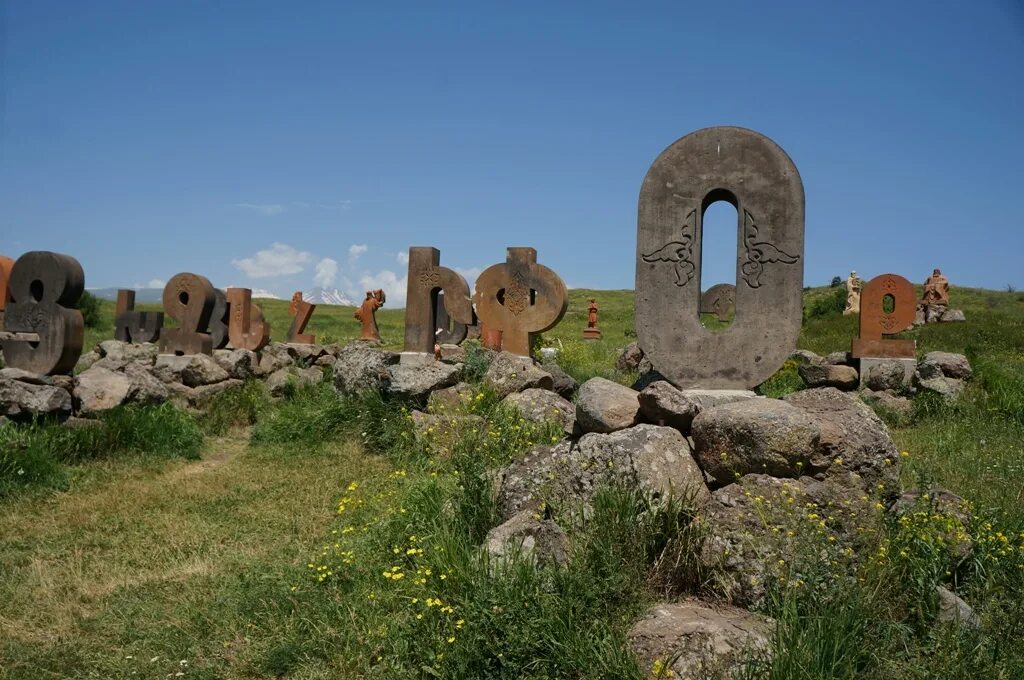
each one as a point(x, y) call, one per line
point(936, 289)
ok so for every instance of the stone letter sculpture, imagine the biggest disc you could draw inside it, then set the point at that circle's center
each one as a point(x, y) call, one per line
point(132, 326)
point(300, 311)
point(188, 299)
point(367, 315)
point(757, 177)
point(519, 298)
point(427, 279)
point(6, 264)
point(43, 285)
point(853, 288)
point(592, 332)
point(876, 321)
point(936, 289)
point(720, 300)
point(220, 317)
point(247, 329)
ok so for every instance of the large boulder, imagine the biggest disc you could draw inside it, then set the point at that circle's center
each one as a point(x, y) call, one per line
point(23, 399)
point(901, 406)
point(606, 406)
point(754, 436)
point(630, 358)
point(664, 404)
point(145, 352)
point(279, 380)
point(805, 356)
point(829, 375)
point(145, 388)
point(542, 406)
point(191, 370)
point(238, 363)
point(413, 381)
point(198, 397)
point(852, 438)
point(510, 373)
point(950, 364)
point(885, 375)
point(100, 389)
point(302, 354)
point(527, 535)
point(696, 639)
point(530, 480)
point(362, 368)
point(563, 384)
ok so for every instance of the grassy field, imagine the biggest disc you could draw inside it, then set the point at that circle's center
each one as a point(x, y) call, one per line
point(266, 540)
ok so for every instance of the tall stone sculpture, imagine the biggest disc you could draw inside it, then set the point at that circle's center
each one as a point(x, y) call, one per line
point(132, 326)
point(720, 300)
point(42, 334)
point(6, 264)
point(367, 315)
point(887, 308)
point(247, 328)
point(300, 311)
point(220, 319)
point(427, 280)
point(936, 289)
point(592, 332)
point(188, 299)
point(757, 177)
point(853, 289)
point(519, 298)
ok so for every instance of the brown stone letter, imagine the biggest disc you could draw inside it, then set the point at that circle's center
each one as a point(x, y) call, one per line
point(247, 329)
point(188, 299)
point(132, 326)
point(895, 292)
point(426, 279)
point(300, 311)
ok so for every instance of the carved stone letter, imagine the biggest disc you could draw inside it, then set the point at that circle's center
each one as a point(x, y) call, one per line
point(300, 311)
point(132, 326)
point(751, 172)
point(6, 264)
point(720, 300)
point(519, 298)
point(875, 321)
point(188, 299)
point(247, 329)
point(426, 280)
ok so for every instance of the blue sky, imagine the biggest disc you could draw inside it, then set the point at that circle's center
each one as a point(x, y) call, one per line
point(276, 144)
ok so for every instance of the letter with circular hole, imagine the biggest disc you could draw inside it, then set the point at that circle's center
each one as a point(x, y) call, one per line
point(752, 173)
point(427, 279)
point(247, 329)
point(519, 298)
point(875, 321)
point(188, 299)
point(43, 285)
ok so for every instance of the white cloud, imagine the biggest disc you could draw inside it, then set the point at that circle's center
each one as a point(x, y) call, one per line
point(326, 271)
point(265, 208)
point(402, 257)
point(278, 260)
point(156, 283)
point(386, 279)
point(355, 250)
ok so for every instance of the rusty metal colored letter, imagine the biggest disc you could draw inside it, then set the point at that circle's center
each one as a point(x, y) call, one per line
point(426, 280)
point(519, 298)
point(42, 286)
point(188, 299)
point(247, 328)
point(300, 311)
point(875, 321)
point(132, 326)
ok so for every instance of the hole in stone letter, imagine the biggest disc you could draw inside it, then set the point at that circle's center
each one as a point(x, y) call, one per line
point(718, 252)
point(888, 304)
point(183, 298)
point(35, 289)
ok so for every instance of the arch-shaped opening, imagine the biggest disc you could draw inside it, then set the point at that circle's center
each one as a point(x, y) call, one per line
point(718, 247)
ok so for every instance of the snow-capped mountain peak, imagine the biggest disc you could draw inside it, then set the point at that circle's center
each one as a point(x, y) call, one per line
point(324, 296)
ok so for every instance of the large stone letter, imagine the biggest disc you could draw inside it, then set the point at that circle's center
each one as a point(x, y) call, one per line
point(132, 326)
point(188, 299)
point(6, 264)
point(220, 317)
point(300, 311)
point(426, 280)
point(42, 287)
point(519, 298)
point(246, 329)
point(759, 179)
point(875, 321)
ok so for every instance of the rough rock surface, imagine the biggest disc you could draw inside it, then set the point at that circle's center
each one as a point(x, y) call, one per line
point(606, 406)
point(510, 373)
point(191, 370)
point(542, 406)
point(100, 389)
point(360, 368)
point(198, 396)
point(694, 639)
point(563, 384)
point(453, 354)
point(452, 399)
point(413, 381)
point(884, 375)
point(145, 352)
point(526, 535)
point(805, 356)
point(829, 375)
point(629, 358)
point(755, 436)
point(898, 405)
point(949, 388)
point(664, 404)
point(852, 438)
point(238, 363)
point(952, 609)
point(838, 359)
point(951, 365)
point(20, 399)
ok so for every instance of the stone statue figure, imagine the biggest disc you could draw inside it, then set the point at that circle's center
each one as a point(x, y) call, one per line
point(853, 286)
point(936, 289)
point(592, 332)
point(367, 314)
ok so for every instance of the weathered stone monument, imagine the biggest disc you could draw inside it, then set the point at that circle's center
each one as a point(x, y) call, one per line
point(720, 300)
point(853, 288)
point(367, 315)
point(887, 308)
point(6, 264)
point(132, 326)
point(592, 332)
point(247, 328)
point(300, 311)
point(936, 289)
point(934, 304)
point(757, 177)
point(188, 299)
point(41, 334)
point(519, 298)
point(427, 280)
point(220, 318)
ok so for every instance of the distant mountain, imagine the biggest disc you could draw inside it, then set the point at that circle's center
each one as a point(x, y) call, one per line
point(323, 296)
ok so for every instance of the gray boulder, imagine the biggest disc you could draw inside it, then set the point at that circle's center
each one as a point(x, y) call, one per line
point(542, 406)
point(22, 400)
point(694, 639)
point(606, 406)
point(630, 358)
point(949, 389)
point(198, 397)
point(884, 375)
point(805, 356)
point(100, 389)
point(240, 364)
point(526, 535)
point(87, 360)
point(145, 352)
point(362, 368)
point(273, 358)
point(891, 402)
point(453, 354)
point(510, 373)
point(829, 375)
point(952, 315)
point(663, 404)
point(563, 384)
point(953, 610)
point(23, 376)
point(413, 381)
point(950, 364)
point(838, 359)
point(754, 436)
point(145, 388)
point(192, 370)
point(302, 354)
